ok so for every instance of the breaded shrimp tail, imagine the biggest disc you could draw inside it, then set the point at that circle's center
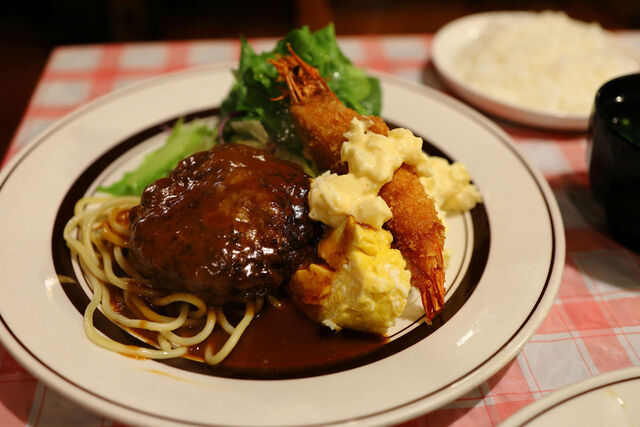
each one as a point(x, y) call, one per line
point(321, 121)
point(418, 234)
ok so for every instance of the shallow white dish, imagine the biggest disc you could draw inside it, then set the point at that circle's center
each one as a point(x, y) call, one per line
point(507, 265)
point(458, 33)
point(610, 399)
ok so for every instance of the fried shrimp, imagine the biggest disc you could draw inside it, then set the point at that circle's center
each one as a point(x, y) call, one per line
point(321, 121)
point(418, 234)
point(319, 117)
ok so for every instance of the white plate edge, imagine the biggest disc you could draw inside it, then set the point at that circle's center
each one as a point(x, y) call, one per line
point(529, 412)
point(460, 387)
point(510, 350)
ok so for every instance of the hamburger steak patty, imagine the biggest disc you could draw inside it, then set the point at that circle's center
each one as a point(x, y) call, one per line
point(226, 224)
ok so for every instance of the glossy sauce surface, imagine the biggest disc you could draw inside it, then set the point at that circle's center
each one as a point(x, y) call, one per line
point(284, 339)
point(278, 339)
point(227, 223)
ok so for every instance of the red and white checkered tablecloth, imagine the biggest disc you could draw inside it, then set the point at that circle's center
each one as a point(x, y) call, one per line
point(592, 328)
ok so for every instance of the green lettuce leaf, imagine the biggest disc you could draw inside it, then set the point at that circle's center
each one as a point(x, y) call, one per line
point(183, 141)
point(255, 83)
point(251, 95)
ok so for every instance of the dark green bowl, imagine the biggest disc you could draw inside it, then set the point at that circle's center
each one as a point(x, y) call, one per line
point(614, 156)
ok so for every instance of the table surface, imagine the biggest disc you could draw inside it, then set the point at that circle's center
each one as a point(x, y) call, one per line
point(593, 326)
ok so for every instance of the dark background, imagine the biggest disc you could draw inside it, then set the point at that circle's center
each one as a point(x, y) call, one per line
point(30, 29)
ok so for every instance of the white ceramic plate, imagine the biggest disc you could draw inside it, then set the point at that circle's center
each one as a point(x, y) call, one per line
point(507, 264)
point(456, 35)
point(611, 399)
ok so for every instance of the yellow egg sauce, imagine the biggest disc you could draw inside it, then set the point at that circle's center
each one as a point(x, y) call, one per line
point(365, 281)
point(372, 160)
point(451, 186)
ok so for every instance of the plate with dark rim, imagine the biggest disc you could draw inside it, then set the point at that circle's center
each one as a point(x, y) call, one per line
point(504, 271)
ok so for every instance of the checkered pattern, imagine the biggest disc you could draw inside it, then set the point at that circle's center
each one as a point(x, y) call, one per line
point(593, 326)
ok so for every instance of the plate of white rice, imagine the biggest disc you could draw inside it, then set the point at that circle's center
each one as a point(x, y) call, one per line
point(540, 69)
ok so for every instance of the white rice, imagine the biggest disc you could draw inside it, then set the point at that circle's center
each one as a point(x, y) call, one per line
point(544, 61)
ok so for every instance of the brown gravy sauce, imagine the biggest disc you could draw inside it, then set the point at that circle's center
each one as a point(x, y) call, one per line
point(278, 338)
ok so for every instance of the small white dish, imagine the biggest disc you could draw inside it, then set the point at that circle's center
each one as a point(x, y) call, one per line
point(454, 36)
point(610, 399)
point(511, 273)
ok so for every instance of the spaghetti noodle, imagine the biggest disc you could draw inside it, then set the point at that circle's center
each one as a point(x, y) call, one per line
point(98, 235)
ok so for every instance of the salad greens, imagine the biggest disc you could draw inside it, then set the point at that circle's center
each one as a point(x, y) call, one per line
point(183, 141)
point(250, 116)
point(256, 84)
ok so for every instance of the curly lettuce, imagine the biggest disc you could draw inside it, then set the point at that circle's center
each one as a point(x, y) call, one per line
point(183, 141)
point(256, 85)
point(252, 111)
